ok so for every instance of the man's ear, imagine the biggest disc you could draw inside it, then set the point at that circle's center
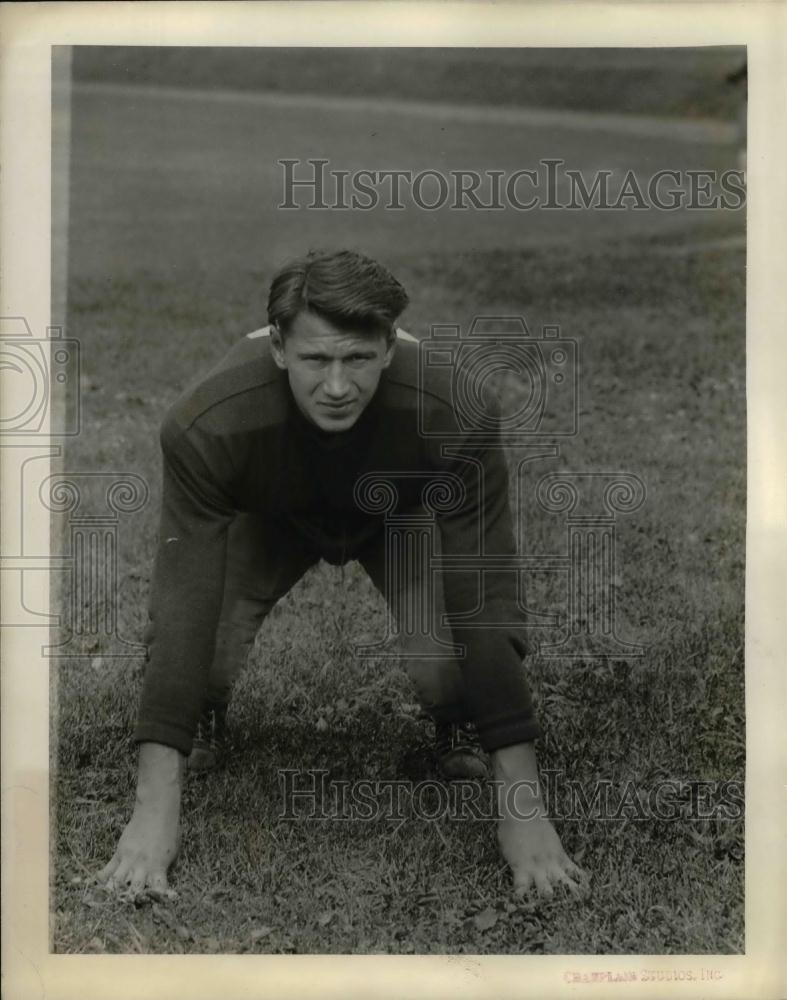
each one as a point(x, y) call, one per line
point(277, 346)
point(390, 347)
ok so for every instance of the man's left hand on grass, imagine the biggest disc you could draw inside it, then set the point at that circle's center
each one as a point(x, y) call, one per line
point(527, 839)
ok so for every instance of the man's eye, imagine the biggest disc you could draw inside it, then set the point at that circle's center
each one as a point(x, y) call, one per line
point(353, 360)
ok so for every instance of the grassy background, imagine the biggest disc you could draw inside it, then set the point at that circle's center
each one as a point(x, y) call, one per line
point(659, 314)
point(669, 408)
point(669, 82)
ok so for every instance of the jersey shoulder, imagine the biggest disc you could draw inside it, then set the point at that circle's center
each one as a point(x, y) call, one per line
point(413, 382)
point(409, 377)
point(243, 391)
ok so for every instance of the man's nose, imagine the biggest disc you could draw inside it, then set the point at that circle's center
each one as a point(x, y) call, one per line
point(336, 384)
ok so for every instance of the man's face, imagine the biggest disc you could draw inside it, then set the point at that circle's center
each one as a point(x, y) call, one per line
point(333, 373)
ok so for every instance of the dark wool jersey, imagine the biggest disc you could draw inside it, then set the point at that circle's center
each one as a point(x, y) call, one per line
point(236, 441)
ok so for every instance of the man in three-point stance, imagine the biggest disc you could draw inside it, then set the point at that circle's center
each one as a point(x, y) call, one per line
point(261, 459)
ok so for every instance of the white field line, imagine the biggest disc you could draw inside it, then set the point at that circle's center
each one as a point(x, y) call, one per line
point(702, 131)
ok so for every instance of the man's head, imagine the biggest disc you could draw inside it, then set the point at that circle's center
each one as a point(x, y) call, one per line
point(332, 319)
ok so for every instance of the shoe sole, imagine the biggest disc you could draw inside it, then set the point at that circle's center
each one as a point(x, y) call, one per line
point(466, 767)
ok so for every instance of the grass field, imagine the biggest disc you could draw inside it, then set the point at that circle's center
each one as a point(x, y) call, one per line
point(655, 81)
point(662, 396)
point(174, 238)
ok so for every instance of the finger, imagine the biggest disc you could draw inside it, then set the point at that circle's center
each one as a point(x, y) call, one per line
point(159, 887)
point(523, 882)
point(543, 885)
point(564, 861)
point(108, 868)
point(559, 877)
point(582, 882)
point(138, 878)
point(575, 870)
point(120, 876)
point(158, 882)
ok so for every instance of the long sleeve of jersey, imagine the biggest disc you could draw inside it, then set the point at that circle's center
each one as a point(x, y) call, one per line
point(497, 692)
point(188, 586)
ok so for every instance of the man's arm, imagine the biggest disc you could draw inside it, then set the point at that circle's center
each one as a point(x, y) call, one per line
point(188, 584)
point(496, 688)
point(186, 597)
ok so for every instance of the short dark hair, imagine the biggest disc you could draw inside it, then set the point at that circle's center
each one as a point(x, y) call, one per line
point(344, 287)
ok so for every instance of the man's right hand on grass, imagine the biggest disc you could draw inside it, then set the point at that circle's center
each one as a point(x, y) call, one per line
point(149, 844)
